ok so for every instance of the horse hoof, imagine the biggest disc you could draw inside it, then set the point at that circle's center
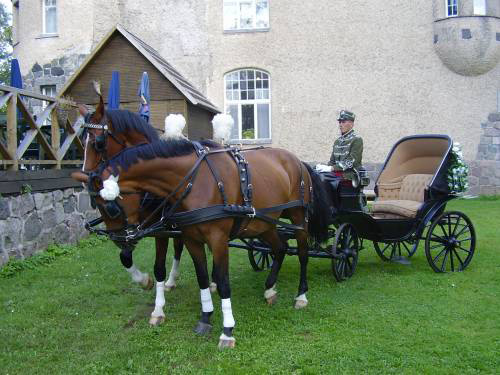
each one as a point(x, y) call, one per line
point(227, 343)
point(300, 304)
point(272, 300)
point(202, 328)
point(147, 284)
point(168, 288)
point(156, 320)
point(213, 287)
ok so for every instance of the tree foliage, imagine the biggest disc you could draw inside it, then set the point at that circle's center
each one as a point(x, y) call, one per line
point(5, 44)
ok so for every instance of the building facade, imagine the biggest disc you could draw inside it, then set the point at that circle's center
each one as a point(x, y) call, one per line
point(283, 69)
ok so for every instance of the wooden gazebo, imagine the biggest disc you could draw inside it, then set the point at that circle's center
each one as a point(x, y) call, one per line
point(122, 51)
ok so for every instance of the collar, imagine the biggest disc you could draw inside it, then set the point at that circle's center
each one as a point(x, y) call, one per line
point(347, 136)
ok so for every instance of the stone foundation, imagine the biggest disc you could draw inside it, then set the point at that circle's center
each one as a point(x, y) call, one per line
point(30, 222)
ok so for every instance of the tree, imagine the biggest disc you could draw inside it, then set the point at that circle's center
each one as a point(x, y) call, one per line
point(5, 45)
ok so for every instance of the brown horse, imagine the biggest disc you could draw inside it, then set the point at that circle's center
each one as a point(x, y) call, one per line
point(165, 168)
point(107, 134)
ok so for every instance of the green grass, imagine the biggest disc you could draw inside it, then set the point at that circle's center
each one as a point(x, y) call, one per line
point(79, 313)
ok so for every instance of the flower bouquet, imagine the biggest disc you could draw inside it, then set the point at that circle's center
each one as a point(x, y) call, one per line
point(458, 171)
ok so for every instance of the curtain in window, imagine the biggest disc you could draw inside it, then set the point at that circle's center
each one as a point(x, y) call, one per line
point(263, 120)
point(50, 17)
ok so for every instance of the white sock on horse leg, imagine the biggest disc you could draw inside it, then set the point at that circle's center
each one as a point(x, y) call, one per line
point(137, 275)
point(206, 300)
point(227, 313)
point(174, 273)
point(160, 299)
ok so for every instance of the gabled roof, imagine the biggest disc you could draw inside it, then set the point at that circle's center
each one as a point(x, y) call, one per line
point(194, 96)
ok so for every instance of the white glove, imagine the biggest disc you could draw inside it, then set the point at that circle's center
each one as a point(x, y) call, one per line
point(323, 168)
point(110, 190)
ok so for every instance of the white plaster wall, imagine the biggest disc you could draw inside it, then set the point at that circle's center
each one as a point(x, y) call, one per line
point(75, 27)
point(375, 58)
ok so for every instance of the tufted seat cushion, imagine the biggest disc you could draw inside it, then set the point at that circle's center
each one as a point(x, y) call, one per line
point(410, 196)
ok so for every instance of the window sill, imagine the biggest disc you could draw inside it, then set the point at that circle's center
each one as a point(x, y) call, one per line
point(263, 141)
point(45, 36)
point(243, 31)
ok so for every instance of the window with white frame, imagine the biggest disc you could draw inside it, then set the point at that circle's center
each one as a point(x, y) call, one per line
point(248, 101)
point(451, 8)
point(480, 7)
point(48, 90)
point(49, 15)
point(246, 14)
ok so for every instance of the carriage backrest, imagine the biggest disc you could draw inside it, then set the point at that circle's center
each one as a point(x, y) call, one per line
point(418, 156)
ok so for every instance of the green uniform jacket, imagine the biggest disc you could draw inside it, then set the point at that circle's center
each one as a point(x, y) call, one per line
point(347, 153)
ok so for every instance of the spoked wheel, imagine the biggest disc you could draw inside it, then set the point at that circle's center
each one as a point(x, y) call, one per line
point(345, 252)
point(258, 259)
point(396, 251)
point(450, 242)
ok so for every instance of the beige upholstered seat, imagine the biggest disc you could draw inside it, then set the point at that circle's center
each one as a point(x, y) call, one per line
point(402, 196)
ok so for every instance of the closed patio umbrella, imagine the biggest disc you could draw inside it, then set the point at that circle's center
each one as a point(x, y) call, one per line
point(143, 93)
point(114, 91)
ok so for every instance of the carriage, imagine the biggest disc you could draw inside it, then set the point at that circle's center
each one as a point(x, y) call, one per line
point(411, 196)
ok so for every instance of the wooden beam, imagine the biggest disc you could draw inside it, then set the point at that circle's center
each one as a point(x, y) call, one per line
point(4, 151)
point(41, 117)
point(40, 137)
point(4, 99)
point(27, 93)
point(12, 129)
point(55, 136)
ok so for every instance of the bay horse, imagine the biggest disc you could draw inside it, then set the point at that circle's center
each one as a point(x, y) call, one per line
point(107, 133)
point(169, 169)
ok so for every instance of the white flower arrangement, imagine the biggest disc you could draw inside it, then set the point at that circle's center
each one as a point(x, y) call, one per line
point(458, 171)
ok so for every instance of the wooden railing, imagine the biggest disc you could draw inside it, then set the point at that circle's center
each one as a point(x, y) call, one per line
point(12, 149)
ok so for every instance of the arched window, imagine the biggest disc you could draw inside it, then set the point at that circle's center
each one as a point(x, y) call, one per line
point(247, 100)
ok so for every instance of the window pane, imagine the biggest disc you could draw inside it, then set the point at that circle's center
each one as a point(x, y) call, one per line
point(244, 85)
point(246, 15)
point(243, 95)
point(251, 94)
point(258, 84)
point(262, 14)
point(250, 84)
point(480, 7)
point(230, 15)
point(263, 120)
point(243, 75)
point(265, 94)
point(250, 74)
point(247, 122)
point(265, 84)
point(50, 20)
point(233, 111)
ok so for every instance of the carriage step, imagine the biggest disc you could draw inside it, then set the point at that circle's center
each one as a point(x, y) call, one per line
point(401, 260)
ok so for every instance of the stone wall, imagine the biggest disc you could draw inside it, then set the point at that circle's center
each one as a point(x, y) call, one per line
point(30, 222)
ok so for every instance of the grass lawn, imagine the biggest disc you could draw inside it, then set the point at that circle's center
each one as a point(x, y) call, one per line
point(82, 314)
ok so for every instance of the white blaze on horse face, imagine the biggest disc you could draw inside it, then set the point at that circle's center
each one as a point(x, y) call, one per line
point(206, 300)
point(110, 190)
point(227, 313)
point(85, 152)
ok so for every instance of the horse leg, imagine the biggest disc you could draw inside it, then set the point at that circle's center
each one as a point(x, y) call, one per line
point(126, 258)
point(301, 300)
point(158, 316)
point(174, 272)
point(197, 252)
point(273, 239)
point(220, 252)
point(213, 284)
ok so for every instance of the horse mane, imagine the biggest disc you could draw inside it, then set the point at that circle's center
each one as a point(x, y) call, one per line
point(158, 149)
point(124, 120)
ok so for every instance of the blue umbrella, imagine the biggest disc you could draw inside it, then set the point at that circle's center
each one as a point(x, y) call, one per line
point(15, 74)
point(114, 91)
point(143, 93)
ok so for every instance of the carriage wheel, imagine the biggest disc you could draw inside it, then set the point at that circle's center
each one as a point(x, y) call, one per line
point(450, 242)
point(345, 252)
point(389, 251)
point(258, 259)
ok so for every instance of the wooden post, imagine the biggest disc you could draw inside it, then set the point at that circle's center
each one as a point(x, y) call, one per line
point(56, 135)
point(12, 130)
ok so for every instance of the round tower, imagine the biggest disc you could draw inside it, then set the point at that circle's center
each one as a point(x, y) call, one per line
point(467, 35)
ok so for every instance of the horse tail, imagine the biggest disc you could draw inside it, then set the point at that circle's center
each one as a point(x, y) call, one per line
point(319, 211)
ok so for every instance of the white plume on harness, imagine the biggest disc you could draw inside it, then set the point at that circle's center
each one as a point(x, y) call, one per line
point(222, 124)
point(174, 124)
point(110, 190)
